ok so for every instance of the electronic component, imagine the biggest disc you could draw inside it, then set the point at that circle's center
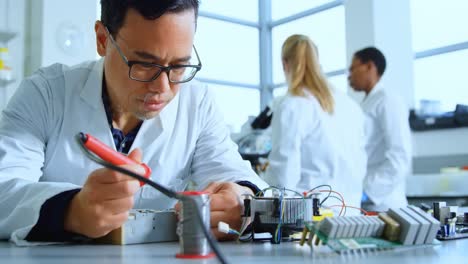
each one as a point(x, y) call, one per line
point(359, 226)
point(452, 226)
point(144, 226)
point(423, 226)
point(437, 206)
point(368, 227)
point(280, 214)
point(434, 224)
point(339, 228)
point(316, 206)
point(409, 226)
point(406, 225)
point(329, 227)
point(381, 225)
point(351, 227)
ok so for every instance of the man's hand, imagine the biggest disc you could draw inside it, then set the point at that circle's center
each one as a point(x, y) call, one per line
point(103, 203)
point(226, 205)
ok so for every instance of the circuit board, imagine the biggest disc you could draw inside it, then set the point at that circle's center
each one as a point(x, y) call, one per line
point(453, 237)
point(348, 245)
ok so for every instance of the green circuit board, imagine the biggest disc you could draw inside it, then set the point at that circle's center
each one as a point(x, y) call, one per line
point(343, 245)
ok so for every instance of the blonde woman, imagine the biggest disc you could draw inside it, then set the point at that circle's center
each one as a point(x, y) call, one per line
point(317, 132)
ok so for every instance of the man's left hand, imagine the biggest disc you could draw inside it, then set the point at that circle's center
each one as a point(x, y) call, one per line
point(226, 205)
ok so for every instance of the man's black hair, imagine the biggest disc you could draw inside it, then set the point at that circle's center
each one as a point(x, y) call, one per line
point(372, 54)
point(113, 12)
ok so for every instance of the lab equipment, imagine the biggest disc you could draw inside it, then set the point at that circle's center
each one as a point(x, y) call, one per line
point(254, 146)
point(144, 226)
point(452, 224)
point(5, 65)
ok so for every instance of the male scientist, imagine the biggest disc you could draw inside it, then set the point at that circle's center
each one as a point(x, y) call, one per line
point(387, 129)
point(138, 99)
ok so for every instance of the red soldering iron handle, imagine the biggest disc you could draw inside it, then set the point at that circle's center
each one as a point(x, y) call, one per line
point(106, 153)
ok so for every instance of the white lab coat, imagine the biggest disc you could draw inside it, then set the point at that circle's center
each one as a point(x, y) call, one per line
point(388, 148)
point(39, 155)
point(311, 147)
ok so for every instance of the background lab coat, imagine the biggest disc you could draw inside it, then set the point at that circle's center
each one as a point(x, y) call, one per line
point(388, 148)
point(311, 147)
point(40, 158)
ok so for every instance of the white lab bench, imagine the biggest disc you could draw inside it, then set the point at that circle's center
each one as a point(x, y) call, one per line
point(454, 251)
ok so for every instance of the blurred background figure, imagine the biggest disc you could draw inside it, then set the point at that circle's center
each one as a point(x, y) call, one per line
point(388, 133)
point(317, 131)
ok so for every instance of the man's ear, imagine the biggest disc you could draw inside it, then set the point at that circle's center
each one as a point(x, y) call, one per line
point(101, 38)
point(371, 66)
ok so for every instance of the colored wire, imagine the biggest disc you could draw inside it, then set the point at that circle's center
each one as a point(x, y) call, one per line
point(262, 192)
point(277, 237)
point(317, 187)
point(342, 199)
point(162, 189)
point(353, 207)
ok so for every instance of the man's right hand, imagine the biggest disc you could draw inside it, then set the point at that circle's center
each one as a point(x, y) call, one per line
point(103, 203)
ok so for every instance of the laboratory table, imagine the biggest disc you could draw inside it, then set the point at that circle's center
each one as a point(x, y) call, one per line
point(455, 251)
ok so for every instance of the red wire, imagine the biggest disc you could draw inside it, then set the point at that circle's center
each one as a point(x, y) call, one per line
point(341, 196)
point(357, 208)
point(342, 199)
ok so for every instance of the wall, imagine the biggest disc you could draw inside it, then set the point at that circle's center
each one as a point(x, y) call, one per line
point(43, 28)
point(386, 25)
point(67, 31)
point(10, 11)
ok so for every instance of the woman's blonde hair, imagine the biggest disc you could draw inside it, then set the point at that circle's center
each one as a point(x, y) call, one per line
point(300, 54)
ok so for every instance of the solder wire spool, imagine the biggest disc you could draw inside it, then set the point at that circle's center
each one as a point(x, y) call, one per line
point(192, 241)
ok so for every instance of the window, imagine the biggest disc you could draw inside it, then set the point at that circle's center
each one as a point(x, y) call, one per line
point(440, 43)
point(241, 9)
point(330, 39)
point(230, 57)
point(229, 52)
point(437, 23)
point(443, 78)
point(236, 104)
point(282, 8)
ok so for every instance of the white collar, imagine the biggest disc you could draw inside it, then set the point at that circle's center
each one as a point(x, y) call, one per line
point(378, 87)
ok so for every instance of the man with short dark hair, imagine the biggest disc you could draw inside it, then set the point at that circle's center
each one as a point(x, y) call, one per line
point(387, 128)
point(139, 98)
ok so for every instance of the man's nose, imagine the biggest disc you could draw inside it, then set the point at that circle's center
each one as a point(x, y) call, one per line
point(160, 84)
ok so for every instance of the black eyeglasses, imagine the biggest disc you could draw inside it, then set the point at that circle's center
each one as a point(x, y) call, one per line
point(148, 72)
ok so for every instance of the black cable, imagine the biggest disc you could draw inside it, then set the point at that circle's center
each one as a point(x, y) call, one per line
point(320, 186)
point(163, 190)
